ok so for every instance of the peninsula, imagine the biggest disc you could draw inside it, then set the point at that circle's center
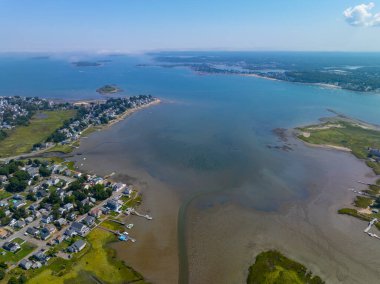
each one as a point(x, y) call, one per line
point(362, 140)
point(53, 126)
point(56, 222)
point(272, 267)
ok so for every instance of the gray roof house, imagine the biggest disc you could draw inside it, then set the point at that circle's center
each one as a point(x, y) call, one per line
point(77, 246)
point(79, 228)
point(89, 220)
point(25, 264)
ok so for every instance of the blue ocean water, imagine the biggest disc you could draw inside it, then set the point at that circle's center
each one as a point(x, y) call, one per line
point(286, 104)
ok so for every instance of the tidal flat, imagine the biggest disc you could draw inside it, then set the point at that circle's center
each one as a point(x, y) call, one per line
point(229, 215)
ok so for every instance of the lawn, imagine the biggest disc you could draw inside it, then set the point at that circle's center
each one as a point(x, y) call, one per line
point(273, 267)
point(10, 257)
point(18, 240)
point(62, 149)
point(97, 264)
point(4, 194)
point(21, 139)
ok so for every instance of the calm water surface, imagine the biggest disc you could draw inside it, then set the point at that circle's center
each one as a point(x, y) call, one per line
point(219, 195)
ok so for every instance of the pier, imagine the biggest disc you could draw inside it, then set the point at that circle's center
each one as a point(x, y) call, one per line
point(371, 223)
point(117, 221)
point(134, 212)
point(122, 236)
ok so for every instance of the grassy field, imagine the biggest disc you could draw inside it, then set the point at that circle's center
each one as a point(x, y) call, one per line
point(272, 267)
point(96, 264)
point(362, 202)
point(21, 139)
point(62, 149)
point(10, 257)
point(348, 135)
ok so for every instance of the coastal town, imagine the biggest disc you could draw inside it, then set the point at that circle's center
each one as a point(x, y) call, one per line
point(47, 207)
point(58, 207)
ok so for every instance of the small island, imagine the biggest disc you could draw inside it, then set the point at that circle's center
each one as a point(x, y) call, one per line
point(109, 89)
point(86, 64)
point(273, 267)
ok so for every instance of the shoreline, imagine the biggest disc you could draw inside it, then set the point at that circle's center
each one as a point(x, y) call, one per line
point(321, 85)
point(50, 150)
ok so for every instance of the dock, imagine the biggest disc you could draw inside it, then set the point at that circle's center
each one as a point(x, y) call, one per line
point(117, 221)
point(122, 237)
point(134, 212)
point(371, 223)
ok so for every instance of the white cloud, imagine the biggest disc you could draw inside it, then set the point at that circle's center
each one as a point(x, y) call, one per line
point(361, 16)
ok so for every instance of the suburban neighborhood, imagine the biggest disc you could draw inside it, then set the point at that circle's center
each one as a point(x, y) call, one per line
point(48, 208)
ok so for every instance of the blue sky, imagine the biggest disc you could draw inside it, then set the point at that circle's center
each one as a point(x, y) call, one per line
point(143, 25)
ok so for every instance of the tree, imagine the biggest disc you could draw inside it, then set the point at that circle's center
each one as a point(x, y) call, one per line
point(22, 175)
point(2, 274)
point(5, 221)
point(31, 196)
point(16, 185)
point(22, 279)
point(13, 280)
point(44, 171)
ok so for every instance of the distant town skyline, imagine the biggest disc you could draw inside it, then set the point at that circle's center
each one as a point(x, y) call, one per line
point(150, 25)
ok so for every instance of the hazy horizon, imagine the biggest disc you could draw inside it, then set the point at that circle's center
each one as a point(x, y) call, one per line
point(150, 26)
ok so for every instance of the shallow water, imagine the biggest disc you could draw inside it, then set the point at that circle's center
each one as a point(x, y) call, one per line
point(202, 162)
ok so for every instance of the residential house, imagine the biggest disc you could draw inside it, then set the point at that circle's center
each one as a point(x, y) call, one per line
point(20, 224)
point(51, 228)
point(45, 234)
point(68, 206)
point(105, 210)
point(12, 223)
point(37, 214)
point(96, 212)
point(80, 228)
point(61, 222)
point(374, 152)
point(26, 264)
point(29, 219)
point(18, 204)
point(36, 265)
point(33, 231)
point(61, 211)
point(3, 178)
point(3, 233)
point(33, 207)
point(119, 186)
point(33, 171)
point(72, 216)
point(113, 205)
point(89, 221)
point(17, 197)
point(70, 232)
point(46, 218)
point(40, 256)
point(77, 246)
point(11, 246)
